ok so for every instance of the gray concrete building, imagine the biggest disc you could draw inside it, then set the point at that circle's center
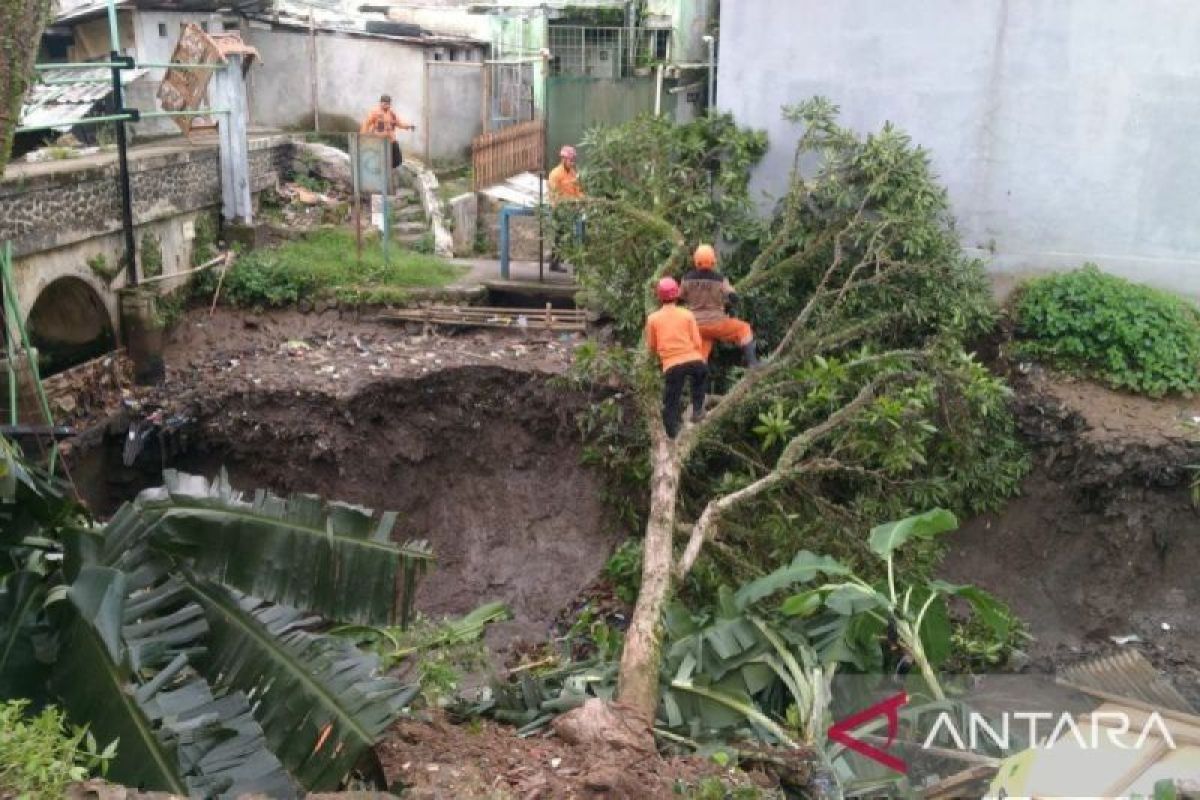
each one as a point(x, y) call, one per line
point(1065, 130)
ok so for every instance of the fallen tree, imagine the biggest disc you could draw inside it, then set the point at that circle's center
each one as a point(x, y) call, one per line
point(860, 289)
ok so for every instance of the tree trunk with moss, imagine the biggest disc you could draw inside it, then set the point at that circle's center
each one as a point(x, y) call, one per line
point(21, 24)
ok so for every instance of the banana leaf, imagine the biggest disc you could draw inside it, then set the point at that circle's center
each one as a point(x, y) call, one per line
point(333, 559)
point(21, 672)
point(318, 698)
point(887, 537)
point(173, 734)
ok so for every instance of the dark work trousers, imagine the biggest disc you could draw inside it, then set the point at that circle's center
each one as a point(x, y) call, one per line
point(397, 157)
point(673, 380)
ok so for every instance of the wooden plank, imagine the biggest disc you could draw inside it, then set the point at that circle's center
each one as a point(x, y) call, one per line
point(951, 787)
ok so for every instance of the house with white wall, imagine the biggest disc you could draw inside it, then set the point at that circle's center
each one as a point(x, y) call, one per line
point(1064, 131)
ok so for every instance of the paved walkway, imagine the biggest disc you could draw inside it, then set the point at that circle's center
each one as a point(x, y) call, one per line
point(488, 269)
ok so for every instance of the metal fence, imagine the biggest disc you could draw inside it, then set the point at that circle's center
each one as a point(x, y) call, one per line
point(594, 52)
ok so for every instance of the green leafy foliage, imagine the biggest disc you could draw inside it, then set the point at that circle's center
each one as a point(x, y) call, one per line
point(324, 263)
point(437, 652)
point(143, 633)
point(691, 178)
point(150, 255)
point(942, 437)
point(862, 245)
point(1125, 334)
point(41, 755)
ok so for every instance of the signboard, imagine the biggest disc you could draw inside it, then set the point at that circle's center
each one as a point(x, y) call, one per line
point(184, 89)
point(370, 158)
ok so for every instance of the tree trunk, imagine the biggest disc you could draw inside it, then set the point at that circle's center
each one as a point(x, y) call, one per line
point(640, 661)
point(21, 24)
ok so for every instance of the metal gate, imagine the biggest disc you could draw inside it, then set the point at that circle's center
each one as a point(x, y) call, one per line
point(509, 89)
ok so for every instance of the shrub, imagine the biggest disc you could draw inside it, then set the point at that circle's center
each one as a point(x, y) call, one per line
point(1128, 335)
point(39, 756)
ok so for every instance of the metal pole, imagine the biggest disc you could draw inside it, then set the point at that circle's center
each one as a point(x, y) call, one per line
point(123, 162)
point(712, 68)
point(541, 179)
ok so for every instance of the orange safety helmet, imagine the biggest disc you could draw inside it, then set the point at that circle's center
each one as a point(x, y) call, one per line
point(668, 290)
point(705, 257)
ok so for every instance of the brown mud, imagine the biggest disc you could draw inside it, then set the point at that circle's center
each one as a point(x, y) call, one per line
point(1104, 541)
point(436, 760)
point(463, 435)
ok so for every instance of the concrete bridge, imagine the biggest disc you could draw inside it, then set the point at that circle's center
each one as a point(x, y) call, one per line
point(63, 219)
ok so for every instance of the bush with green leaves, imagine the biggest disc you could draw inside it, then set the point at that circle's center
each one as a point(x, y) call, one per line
point(40, 754)
point(1125, 334)
point(159, 627)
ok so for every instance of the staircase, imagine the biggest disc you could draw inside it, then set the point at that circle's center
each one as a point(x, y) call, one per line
point(409, 224)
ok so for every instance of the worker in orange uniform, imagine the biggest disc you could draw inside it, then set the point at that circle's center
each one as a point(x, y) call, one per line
point(707, 292)
point(673, 336)
point(382, 121)
point(564, 185)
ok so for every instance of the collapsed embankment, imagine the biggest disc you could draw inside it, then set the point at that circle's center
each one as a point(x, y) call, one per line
point(1104, 541)
point(465, 436)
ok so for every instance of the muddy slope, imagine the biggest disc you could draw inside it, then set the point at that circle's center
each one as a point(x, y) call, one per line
point(482, 461)
point(1104, 541)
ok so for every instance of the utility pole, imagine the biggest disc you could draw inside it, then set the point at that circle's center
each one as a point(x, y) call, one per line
point(122, 147)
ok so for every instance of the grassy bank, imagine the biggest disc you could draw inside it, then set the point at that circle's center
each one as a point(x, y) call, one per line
point(325, 264)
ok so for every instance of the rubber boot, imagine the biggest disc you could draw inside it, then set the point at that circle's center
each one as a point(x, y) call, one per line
point(750, 352)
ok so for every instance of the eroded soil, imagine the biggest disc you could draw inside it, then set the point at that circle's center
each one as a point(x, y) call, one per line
point(1104, 541)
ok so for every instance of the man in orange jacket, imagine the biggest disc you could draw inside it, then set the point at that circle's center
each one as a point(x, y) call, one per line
point(706, 293)
point(382, 121)
point(672, 335)
point(564, 185)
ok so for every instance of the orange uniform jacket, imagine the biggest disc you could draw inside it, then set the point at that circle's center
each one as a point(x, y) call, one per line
point(381, 122)
point(672, 334)
point(564, 184)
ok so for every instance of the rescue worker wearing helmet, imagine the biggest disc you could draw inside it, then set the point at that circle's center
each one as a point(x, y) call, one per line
point(673, 336)
point(707, 293)
point(564, 185)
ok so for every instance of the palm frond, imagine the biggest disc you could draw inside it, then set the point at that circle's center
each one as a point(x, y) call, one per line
point(333, 559)
point(319, 699)
point(125, 667)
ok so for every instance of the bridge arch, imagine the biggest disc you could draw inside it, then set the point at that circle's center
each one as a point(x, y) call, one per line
point(69, 323)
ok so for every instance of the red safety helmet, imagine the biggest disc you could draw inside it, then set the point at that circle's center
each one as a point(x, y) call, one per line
point(668, 290)
point(705, 257)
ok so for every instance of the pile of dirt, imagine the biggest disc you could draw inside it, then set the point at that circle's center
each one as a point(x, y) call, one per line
point(434, 760)
point(1104, 542)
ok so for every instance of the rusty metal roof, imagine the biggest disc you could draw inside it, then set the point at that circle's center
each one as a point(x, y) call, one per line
point(60, 105)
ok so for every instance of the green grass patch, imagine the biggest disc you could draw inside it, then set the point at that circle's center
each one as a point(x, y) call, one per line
point(325, 264)
point(1125, 334)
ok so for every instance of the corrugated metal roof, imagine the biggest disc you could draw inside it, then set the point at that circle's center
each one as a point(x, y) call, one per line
point(62, 104)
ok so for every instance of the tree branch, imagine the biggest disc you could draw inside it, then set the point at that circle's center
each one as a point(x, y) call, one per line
point(788, 467)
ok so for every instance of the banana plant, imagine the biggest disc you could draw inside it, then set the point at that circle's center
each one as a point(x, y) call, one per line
point(183, 629)
point(846, 616)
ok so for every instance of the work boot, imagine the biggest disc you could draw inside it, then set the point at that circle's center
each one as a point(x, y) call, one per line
point(697, 416)
point(750, 353)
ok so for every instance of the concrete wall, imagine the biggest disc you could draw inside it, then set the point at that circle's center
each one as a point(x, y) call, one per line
point(455, 113)
point(1066, 131)
point(353, 71)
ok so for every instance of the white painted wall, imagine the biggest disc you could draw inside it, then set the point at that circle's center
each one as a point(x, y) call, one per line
point(1065, 130)
point(352, 73)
